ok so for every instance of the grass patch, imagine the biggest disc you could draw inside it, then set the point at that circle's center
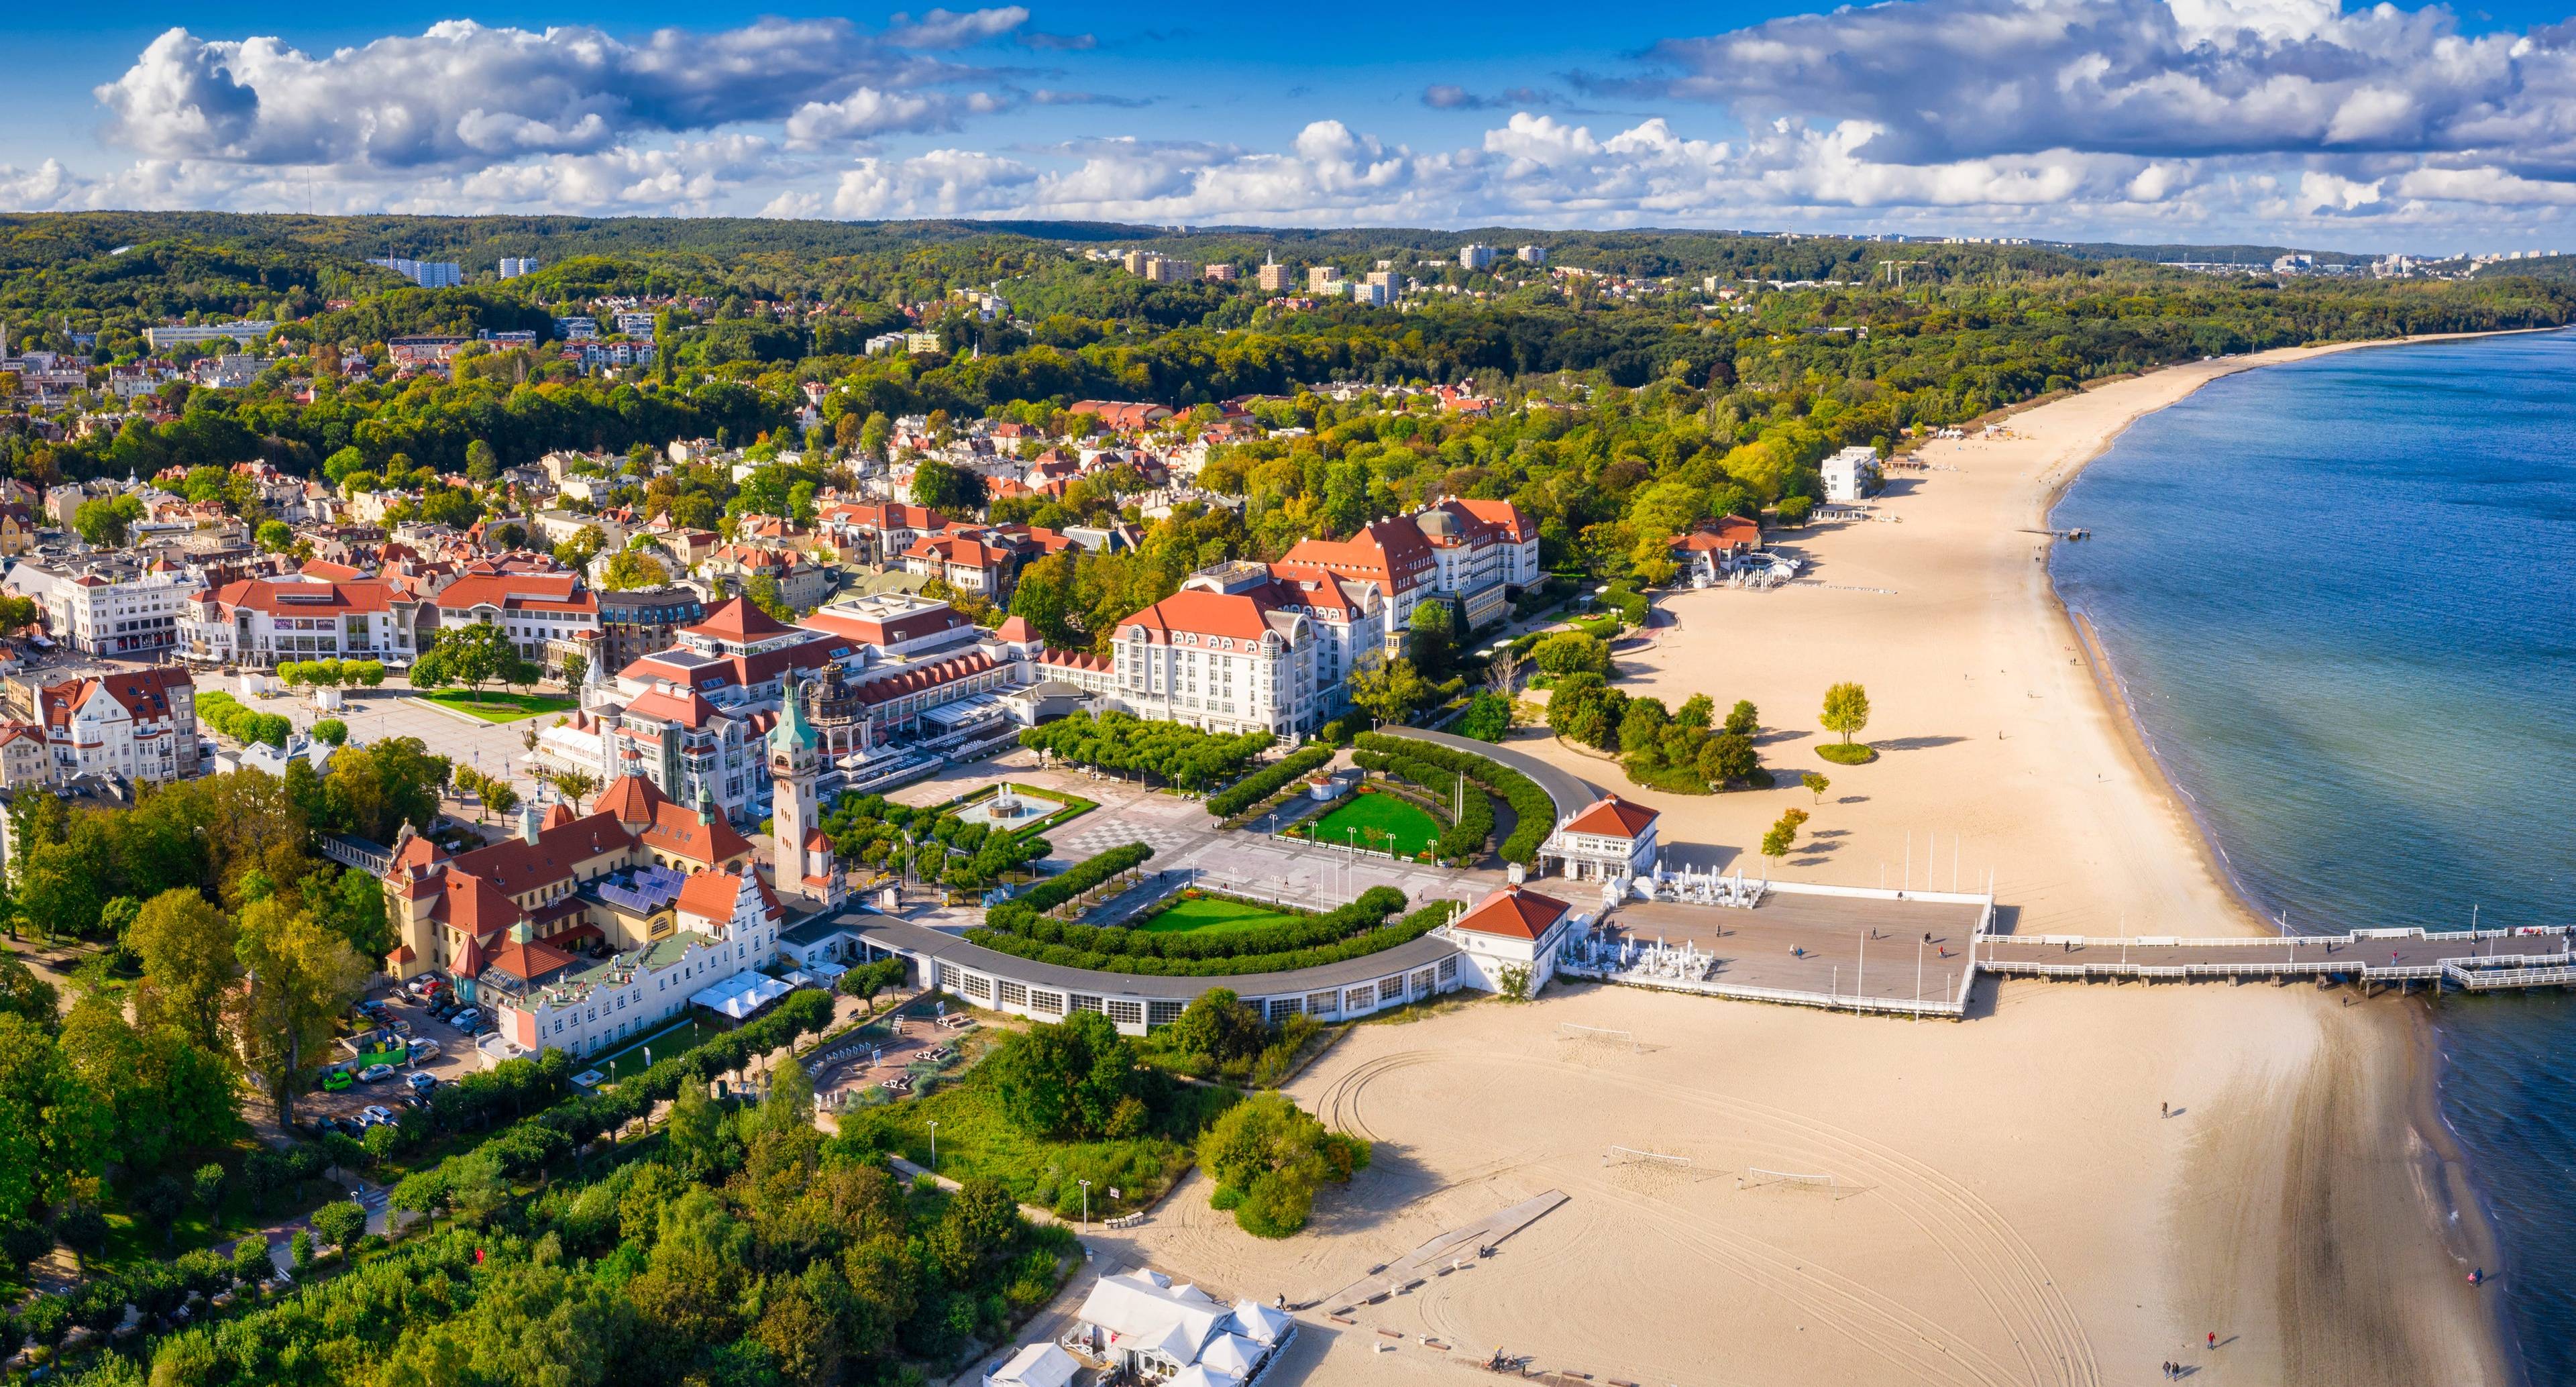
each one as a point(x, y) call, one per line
point(1210, 913)
point(499, 705)
point(629, 1062)
point(1853, 754)
point(976, 1138)
point(1373, 819)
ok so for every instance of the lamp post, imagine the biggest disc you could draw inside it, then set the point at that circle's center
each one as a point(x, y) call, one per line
point(934, 1146)
point(1086, 1204)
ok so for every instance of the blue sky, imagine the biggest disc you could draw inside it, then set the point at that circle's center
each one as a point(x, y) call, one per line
point(2186, 120)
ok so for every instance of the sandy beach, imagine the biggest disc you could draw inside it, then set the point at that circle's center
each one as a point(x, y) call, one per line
point(2008, 1204)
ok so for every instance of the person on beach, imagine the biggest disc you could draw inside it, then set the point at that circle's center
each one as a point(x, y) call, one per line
point(2168, 1107)
point(2213, 1339)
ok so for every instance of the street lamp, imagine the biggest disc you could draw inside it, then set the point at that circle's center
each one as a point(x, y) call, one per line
point(934, 1146)
point(1086, 1204)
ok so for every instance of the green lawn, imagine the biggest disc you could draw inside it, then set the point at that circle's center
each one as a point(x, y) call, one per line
point(976, 1138)
point(629, 1062)
point(1207, 912)
point(500, 705)
point(1413, 827)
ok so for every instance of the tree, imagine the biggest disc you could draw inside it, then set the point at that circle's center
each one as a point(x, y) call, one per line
point(482, 467)
point(1783, 835)
point(762, 590)
point(373, 790)
point(629, 569)
point(103, 521)
point(331, 732)
point(576, 668)
point(574, 786)
point(1744, 719)
point(1727, 758)
point(1571, 652)
point(274, 537)
point(1816, 785)
point(474, 654)
point(22, 993)
point(341, 1221)
point(1488, 717)
point(1218, 1027)
point(1390, 690)
point(1434, 641)
point(1065, 1081)
point(1269, 1158)
point(47, 1120)
point(187, 948)
point(1846, 710)
point(576, 552)
point(207, 1187)
point(252, 1261)
point(300, 979)
point(941, 486)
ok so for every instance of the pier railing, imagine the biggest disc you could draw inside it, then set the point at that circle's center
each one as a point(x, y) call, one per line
point(1951, 1008)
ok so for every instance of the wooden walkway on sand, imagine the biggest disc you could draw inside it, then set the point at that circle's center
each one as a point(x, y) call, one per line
point(1456, 1248)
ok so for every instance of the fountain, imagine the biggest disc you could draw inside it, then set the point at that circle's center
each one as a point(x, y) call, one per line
point(1009, 808)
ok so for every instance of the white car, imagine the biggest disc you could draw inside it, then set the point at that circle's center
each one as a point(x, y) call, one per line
point(375, 1114)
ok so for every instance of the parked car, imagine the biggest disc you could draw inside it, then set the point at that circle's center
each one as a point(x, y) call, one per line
point(375, 1073)
point(375, 1113)
point(424, 1049)
point(335, 1080)
point(422, 1083)
point(466, 1020)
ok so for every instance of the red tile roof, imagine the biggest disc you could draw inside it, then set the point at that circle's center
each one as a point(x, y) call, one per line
point(713, 895)
point(1514, 912)
point(738, 621)
point(307, 599)
point(1238, 616)
point(685, 708)
point(1612, 818)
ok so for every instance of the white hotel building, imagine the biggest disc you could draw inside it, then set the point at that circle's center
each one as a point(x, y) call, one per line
point(1249, 647)
point(111, 610)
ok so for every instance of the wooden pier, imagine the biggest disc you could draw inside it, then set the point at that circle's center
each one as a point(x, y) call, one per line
point(2472, 960)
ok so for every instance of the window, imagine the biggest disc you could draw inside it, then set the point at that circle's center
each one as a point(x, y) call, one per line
point(979, 987)
point(1083, 1003)
point(1323, 1003)
point(1362, 998)
point(1052, 1003)
point(1281, 1008)
point(1127, 1013)
point(1162, 1013)
point(1014, 994)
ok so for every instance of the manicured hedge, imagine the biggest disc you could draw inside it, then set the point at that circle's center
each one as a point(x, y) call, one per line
point(1536, 812)
point(1309, 940)
point(1034, 903)
point(1261, 784)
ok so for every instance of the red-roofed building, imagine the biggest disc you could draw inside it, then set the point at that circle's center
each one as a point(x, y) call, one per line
point(1712, 547)
point(1508, 942)
point(139, 725)
point(1246, 647)
point(1611, 839)
point(1390, 555)
point(1125, 416)
point(539, 610)
point(964, 561)
point(262, 621)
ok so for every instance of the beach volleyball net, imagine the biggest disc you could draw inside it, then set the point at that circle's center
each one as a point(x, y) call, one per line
point(1756, 1176)
point(1632, 1155)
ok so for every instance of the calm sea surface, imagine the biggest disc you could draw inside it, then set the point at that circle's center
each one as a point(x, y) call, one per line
point(2342, 597)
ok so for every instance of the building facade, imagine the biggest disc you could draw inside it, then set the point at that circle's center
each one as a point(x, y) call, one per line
point(139, 725)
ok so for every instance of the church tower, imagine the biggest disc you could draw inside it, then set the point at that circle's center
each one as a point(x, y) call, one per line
point(802, 858)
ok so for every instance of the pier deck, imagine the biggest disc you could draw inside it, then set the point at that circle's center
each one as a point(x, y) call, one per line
point(2478, 960)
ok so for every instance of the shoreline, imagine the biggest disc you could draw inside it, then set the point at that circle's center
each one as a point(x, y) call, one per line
point(2446, 1179)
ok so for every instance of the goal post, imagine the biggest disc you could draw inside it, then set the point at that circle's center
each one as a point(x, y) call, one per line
point(1568, 1030)
point(1758, 1176)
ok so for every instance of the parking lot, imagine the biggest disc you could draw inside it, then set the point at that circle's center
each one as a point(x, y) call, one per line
point(455, 1059)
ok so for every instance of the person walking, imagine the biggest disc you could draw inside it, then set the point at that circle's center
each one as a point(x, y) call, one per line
point(2168, 1107)
point(2213, 1340)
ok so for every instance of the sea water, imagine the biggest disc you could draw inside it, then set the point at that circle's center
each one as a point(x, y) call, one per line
point(2341, 596)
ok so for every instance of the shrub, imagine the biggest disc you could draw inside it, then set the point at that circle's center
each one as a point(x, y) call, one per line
point(1847, 753)
point(1530, 804)
point(1488, 717)
point(1263, 783)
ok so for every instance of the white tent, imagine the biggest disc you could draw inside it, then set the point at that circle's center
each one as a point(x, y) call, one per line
point(1038, 1365)
point(1142, 1312)
point(740, 995)
point(1231, 1354)
point(1261, 1324)
point(1198, 1375)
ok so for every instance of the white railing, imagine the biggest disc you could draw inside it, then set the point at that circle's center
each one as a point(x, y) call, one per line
point(1831, 1001)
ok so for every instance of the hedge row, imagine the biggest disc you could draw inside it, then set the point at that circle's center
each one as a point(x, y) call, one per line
point(1530, 804)
point(1299, 931)
point(222, 712)
point(1261, 784)
point(1384, 937)
point(1462, 842)
point(1034, 903)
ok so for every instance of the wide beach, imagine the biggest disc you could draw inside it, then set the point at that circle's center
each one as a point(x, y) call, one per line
point(2010, 1205)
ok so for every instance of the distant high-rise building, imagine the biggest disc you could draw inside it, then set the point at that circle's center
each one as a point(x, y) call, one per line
point(1532, 255)
point(1475, 257)
point(1275, 277)
point(1373, 292)
point(513, 268)
point(1220, 271)
point(428, 274)
point(1323, 277)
